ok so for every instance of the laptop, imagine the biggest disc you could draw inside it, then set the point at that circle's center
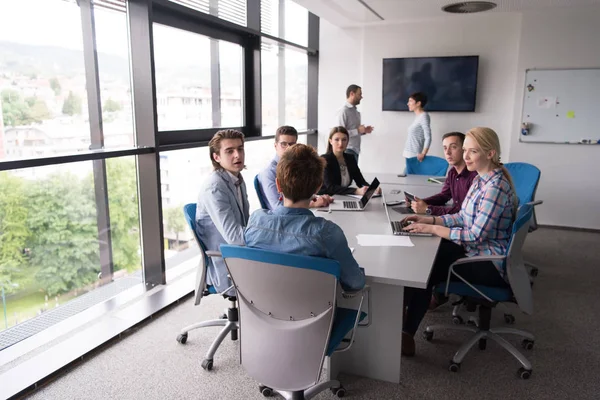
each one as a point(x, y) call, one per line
point(355, 205)
point(398, 226)
point(407, 209)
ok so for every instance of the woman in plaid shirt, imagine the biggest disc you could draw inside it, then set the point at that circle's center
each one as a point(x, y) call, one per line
point(482, 227)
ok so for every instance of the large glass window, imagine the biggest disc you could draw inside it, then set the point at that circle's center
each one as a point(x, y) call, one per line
point(284, 87)
point(42, 80)
point(50, 247)
point(185, 87)
point(295, 20)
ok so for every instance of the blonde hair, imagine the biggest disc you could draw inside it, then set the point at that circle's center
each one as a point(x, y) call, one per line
point(487, 140)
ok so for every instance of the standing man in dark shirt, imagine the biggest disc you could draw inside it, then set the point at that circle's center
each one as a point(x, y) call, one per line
point(457, 182)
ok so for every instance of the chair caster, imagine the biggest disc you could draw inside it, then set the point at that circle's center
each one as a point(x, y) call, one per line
point(182, 338)
point(428, 335)
point(339, 391)
point(454, 367)
point(524, 373)
point(207, 364)
point(527, 344)
point(457, 320)
point(482, 344)
point(509, 319)
point(223, 316)
point(265, 390)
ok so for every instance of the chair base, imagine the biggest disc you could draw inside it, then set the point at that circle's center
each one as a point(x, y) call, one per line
point(230, 326)
point(480, 336)
point(335, 386)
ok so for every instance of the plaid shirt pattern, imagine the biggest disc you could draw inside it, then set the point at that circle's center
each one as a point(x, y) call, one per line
point(484, 224)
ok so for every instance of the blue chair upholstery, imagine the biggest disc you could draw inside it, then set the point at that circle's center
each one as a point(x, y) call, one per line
point(525, 178)
point(229, 321)
point(517, 291)
point(290, 319)
point(431, 165)
point(260, 194)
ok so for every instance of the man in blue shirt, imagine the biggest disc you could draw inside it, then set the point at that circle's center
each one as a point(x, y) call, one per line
point(285, 138)
point(293, 228)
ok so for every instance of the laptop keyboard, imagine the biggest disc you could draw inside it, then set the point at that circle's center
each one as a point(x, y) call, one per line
point(350, 204)
point(397, 226)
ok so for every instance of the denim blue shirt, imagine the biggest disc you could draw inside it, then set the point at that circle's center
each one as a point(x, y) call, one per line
point(266, 177)
point(298, 231)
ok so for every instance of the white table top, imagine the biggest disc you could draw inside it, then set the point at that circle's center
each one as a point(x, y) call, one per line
point(394, 179)
point(405, 266)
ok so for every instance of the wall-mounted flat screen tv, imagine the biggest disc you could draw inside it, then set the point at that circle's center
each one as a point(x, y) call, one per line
point(450, 83)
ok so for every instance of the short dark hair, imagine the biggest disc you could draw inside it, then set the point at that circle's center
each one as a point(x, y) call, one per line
point(419, 97)
point(286, 130)
point(337, 129)
point(300, 172)
point(459, 135)
point(214, 145)
point(352, 89)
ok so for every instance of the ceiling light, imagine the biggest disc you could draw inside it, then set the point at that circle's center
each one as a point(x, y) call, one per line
point(469, 7)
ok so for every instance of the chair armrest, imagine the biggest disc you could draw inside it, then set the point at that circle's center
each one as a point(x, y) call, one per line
point(212, 253)
point(468, 260)
point(535, 203)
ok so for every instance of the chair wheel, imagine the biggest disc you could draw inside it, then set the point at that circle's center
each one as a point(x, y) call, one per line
point(339, 391)
point(482, 344)
point(265, 390)
point(207, 364)
point(223, 316)
point(182, 338)
point(428, 335)
point(524, 373)
point(454, 367)
point(527, 344)
point(509, 319)
point(457, 320)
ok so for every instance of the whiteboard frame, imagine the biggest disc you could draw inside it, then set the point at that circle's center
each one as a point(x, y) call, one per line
point(523, 107)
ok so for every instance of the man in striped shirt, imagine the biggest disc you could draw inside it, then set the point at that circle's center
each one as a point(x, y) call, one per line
point(349, 118)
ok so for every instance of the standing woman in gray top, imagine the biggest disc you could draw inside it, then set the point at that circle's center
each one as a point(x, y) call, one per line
point(419, 132)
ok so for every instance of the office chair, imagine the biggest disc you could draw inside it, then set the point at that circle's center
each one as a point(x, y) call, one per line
point(518, 291)
point(228, 321)
point(431, 165)
point(526, 178)
point(260, 194)
point(288, 311)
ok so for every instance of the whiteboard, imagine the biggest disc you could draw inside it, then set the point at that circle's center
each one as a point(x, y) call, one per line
point(562, 106)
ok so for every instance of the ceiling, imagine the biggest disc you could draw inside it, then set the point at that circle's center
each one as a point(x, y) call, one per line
point(348, 13)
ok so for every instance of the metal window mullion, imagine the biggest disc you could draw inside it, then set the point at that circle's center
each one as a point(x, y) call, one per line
point(139, 20)
point(92, 78)
point(253, 13)
point(215, 79)
point(312, 110)
point(281, 67)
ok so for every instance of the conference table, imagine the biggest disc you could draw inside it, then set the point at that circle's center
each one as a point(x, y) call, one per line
point(376, 351)
point(411, 180)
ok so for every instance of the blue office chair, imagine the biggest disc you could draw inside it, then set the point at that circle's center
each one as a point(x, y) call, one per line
point(290, 320)
point(261, 197)
point(431, 165)
point(518, 291)
point(228, 321)
point(526, 178)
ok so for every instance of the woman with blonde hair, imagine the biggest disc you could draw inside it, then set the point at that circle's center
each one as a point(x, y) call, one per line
point(482, 227)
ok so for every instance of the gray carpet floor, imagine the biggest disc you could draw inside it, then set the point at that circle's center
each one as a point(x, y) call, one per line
point(149, 364)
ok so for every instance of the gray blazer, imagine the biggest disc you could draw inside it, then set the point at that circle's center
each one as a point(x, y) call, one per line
point(220, 218)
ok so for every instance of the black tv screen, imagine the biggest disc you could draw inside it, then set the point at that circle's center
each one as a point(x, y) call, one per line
point(450, 83)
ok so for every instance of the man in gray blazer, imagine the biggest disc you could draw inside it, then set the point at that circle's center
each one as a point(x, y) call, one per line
point(223, 211)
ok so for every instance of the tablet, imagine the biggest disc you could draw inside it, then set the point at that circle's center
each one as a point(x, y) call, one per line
point(409, 196)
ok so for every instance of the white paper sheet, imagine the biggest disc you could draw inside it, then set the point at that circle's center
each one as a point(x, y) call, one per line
point(384, 240)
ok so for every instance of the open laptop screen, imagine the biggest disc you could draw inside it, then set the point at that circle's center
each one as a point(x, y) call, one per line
point(369, 193)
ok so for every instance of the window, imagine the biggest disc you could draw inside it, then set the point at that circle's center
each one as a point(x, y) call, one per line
point(295, 18)
point(229, 10)
point(186, 84)
point(42, 80)
point(51, 249)
point(284, 87)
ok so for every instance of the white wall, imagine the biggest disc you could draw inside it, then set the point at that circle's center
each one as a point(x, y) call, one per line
point(570, 183)
point(507, 45)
